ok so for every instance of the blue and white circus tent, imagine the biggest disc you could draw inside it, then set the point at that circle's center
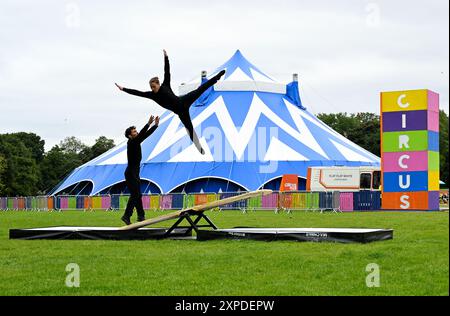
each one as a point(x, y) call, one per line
point(253, 129)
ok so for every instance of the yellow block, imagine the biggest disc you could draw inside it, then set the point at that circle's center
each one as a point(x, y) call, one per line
point(433, 181)
point(408, 100)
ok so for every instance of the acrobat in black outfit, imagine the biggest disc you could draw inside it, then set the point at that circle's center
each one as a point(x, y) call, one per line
point(164, 96)
point(134, 155)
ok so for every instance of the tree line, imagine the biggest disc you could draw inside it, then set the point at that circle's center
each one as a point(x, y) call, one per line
point(26, 169)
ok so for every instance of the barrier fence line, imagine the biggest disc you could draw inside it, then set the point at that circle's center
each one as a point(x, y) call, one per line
point(364, 200)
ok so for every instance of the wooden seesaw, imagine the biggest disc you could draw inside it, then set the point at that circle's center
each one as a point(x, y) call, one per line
point(197, 211)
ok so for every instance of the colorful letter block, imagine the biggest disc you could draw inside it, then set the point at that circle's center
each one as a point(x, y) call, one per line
point(410, 150)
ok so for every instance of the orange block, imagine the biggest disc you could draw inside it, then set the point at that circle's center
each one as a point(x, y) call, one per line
point(21, 203)
point(50, 204)
point(286, 200)
point(201, 199)
point(405, 200)
point(87, 204)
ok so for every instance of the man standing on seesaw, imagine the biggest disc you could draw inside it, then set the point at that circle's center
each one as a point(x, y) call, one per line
point(134, 156)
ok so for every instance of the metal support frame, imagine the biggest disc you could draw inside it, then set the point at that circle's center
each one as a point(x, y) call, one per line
point(193, 224)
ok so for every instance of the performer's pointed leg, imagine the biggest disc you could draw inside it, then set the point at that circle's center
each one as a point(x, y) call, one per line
point(140, 209)
point(188, 99)
point(186, 120)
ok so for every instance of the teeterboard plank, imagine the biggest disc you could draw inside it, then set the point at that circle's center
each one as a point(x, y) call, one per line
point(198, 208)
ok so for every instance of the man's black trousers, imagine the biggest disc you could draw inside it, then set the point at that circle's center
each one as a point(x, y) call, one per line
point(134, 186)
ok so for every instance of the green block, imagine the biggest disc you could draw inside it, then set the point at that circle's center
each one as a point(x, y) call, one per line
point(433, 161)
point(315, 201)
point(395, 141)
point(123, 201)
point(300, 200)
point(189, 200)
point(72, 203)
point(255, 202)
point(312, 201)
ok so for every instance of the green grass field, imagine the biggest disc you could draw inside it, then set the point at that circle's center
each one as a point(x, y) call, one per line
point(415, 262)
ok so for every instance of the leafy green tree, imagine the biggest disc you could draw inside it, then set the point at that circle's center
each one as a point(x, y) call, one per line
point(62, 159)
point(362, 128)
point(72, 145)
point(21, 175)
point(34, 143)
point(2, 172)
point(102, 144)
point(25, 168)
point(56, 165)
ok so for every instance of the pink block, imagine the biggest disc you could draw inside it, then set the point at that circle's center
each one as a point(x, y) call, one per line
point(106, 202)
point(270, 200)
point(346, 201)
point(433, 121)
point(64, 203)
point(433, 101)
point(166, 202)
point(146, 202)
point(417, 161)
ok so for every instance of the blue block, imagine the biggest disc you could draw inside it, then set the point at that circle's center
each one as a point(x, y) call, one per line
point(115, 202)
point(326, 200)
point(177, 201)
point(366, 200)
point(57, 202)
point(433, 141)
point(418, 181)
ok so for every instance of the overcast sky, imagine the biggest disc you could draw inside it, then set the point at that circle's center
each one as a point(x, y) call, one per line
point(59, 59)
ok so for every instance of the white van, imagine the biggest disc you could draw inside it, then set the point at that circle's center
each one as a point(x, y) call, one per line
point(343, 178)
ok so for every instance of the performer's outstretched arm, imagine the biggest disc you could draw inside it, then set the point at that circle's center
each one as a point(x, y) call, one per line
point(152, 129)
point(144, 94)
point(146, 132)
point(140, 137)
point(166, 69)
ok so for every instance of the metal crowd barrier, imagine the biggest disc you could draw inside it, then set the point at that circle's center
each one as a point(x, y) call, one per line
point(151, 202)
point(193, 199)
point(268, 202)
point(286, 201)
point(239, 205)
point(300, 200)
point(366, 201)
point(3, 203)
point(172, 201)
